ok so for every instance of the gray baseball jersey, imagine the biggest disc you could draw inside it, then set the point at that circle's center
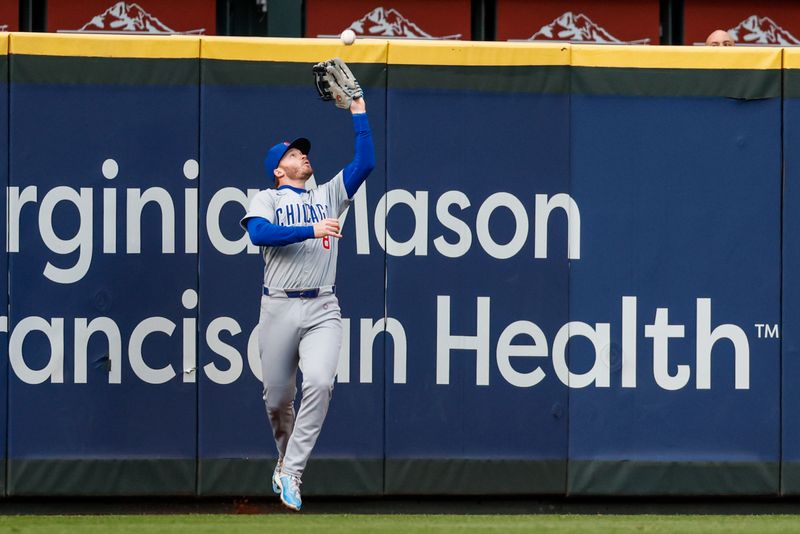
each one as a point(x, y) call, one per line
point(310, 263)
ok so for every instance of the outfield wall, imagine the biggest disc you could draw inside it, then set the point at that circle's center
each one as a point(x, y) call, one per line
point(572, 271)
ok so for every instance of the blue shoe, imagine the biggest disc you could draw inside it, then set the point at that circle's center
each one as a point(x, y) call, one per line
point(290, 492)
point(276, 478)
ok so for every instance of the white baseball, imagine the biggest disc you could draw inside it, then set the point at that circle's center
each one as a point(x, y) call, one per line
point(348, 37)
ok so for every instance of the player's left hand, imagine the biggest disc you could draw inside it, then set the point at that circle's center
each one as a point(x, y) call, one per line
point(334, 81)
point(359, 105)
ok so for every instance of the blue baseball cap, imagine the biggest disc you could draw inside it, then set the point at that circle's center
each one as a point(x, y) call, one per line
point(277, 152)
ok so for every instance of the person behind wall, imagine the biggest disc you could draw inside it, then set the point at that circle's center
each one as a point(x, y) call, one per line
point(719, 38)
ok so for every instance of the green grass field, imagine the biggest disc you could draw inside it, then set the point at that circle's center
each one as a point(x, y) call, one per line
point(280, 523)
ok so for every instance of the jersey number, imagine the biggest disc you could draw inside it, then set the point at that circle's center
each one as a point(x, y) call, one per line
point(326, 242)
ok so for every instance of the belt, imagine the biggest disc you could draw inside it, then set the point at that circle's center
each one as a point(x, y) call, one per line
point(309, 293)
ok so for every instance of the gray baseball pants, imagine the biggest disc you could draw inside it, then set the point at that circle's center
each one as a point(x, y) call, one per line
point(304, 332)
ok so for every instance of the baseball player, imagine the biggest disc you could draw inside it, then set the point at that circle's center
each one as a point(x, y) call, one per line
point(300, 322)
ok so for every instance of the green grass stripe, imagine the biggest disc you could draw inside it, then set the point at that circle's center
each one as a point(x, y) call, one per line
point(286, 522)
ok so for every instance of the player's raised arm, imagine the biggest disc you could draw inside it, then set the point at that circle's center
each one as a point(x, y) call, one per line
point(364, 158)
point(359, 105)
point(334, 81)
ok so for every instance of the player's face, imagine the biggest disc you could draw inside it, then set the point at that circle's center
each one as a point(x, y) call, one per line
point(296, 165)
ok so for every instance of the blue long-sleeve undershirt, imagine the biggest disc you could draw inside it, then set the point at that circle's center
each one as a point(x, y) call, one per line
point(364, 159)
point(266, 234)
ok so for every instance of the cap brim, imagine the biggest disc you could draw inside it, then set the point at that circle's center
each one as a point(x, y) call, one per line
point(302, 144)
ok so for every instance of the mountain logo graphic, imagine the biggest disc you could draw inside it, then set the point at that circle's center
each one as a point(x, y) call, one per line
point(762, 30)
point(123, 17)
point(389, 23)
point(577, 29)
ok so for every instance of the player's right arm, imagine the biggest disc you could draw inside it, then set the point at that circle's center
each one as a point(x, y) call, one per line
point(266, 234)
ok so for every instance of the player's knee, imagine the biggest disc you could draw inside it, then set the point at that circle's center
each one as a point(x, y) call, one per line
point(319, 387)
point(278, 398)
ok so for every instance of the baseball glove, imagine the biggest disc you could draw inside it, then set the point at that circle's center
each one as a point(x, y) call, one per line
point(334, 81)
